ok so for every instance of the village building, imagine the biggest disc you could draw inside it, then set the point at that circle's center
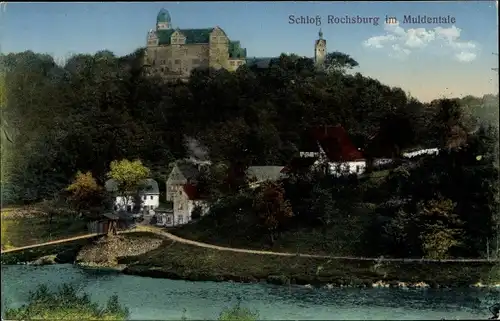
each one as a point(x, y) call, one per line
point(329, 146)
point(183, 172)
point(256, 175)
point(148, 192)
point(189, 204)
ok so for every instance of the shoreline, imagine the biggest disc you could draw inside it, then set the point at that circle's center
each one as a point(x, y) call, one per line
point(146, 255)
point(271, 279)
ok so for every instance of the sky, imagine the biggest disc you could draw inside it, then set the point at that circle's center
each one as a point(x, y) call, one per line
point(452, 58)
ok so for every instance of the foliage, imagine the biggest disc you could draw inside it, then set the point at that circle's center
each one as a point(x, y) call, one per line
point(272, 207)
point(129, 177)
point(196, 212)
point(238, 313)
point(86, 195)
point(128, 174)
point(440, 228)
point(66, 304)
point(97, 109)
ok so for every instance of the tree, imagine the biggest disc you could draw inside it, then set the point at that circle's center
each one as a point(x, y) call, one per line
point(196, 212)
point(272, 208)
point(86, 196)
point(339, 62)
point(129, 177)
point(440, 228)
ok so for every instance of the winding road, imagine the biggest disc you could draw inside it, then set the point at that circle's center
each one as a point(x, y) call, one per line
point(161, 232)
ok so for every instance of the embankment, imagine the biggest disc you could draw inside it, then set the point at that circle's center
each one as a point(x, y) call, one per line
point(151, 255)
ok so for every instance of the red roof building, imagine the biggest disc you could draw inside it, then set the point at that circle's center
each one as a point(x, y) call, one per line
point(331, 141)
point(192, 192)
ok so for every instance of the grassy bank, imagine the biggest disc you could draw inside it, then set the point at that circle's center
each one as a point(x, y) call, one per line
point(344, 239)
point(31, 225)
point(147, 254)
point(181, 261)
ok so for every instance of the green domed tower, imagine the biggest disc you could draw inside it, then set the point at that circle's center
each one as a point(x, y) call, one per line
point(163, 20)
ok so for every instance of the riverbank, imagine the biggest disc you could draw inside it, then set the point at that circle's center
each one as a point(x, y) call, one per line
point(39, 223)
point(151, 255)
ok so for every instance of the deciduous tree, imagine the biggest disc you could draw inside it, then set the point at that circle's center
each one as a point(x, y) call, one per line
point(86, 196)
point(272, 208)
point(129, 177)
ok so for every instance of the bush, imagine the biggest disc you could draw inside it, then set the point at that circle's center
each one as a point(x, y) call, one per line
point(238, 313)
point(66, 304)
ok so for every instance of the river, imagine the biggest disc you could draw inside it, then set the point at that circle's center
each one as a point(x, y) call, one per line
point(163, 299)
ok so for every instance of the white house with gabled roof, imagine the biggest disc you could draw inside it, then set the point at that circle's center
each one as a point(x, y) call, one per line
point(149, 193)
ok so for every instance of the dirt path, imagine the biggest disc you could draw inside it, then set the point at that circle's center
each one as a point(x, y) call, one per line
point(86, 236)
point(231, 249)
point(161, 232)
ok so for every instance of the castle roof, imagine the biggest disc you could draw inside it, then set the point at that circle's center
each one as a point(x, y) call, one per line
point(163, 16)
point(192, 35)
point(198, 36)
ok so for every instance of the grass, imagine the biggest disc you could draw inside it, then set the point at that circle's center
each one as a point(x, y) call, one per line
point(20, 229)
point(66, 252)
point(66, 304)
point(336, 239)
point(182, 261)
point(175, 260)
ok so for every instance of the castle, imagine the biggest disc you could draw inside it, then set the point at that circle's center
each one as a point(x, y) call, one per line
point(173, 53)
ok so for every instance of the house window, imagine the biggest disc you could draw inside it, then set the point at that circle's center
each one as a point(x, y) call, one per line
point(179, 220)
point(232, 63)
point(180, 207)
point(151, 207)
point(144, 197)
point(177, 61)
point(151, 197)
point(358, 168)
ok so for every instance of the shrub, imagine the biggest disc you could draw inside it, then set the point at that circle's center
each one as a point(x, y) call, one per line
point(238, 313)
point(66, 304)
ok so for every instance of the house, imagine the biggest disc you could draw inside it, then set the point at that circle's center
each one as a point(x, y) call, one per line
point(185, 201)
point(332, 146)
point(148, 192)
point(164, 217)
point(182, 173)
point(420, 152)
point(259, 174)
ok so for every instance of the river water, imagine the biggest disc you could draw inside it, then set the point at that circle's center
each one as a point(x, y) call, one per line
point(163, 299)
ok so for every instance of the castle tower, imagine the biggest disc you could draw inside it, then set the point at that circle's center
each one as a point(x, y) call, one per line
point(320, 50)
point(163, 20)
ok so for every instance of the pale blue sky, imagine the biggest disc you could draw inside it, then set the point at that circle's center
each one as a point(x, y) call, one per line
point(453, 60)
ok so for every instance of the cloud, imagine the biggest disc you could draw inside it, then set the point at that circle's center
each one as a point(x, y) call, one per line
point(401, 42)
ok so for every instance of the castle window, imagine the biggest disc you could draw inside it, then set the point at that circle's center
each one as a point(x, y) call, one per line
point(177, 61)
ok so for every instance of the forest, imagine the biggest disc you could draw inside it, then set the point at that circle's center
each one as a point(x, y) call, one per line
point(94, 109)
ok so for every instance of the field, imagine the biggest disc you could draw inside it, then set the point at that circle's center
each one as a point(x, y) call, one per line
point(23, 226)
